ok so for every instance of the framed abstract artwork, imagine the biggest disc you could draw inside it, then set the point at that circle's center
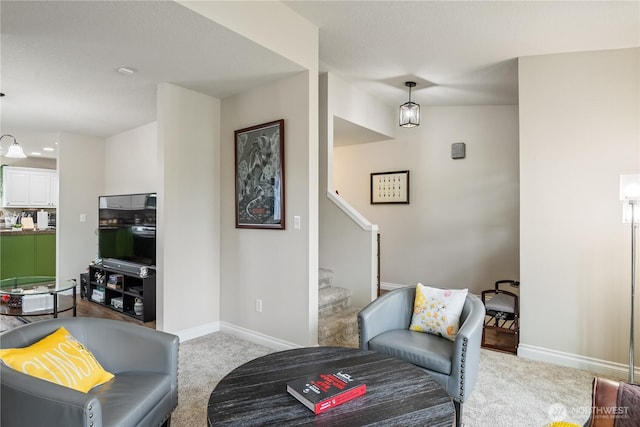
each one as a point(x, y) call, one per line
point(259, 166)
point(390, 187)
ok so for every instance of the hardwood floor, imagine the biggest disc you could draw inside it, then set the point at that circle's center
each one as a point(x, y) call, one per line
point(493, 337)
point(86, 308)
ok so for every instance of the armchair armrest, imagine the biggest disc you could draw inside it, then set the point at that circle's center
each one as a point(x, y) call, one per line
point(388, 312)
point(53, 404)
point(138, 349)
point(466, 355)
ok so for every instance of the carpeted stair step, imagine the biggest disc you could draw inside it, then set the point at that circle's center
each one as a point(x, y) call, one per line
point(337, 320)
point(339, 328)
point(325, 278)
point(332, 299)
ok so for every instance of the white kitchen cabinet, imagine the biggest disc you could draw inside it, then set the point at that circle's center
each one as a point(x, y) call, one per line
point(54, 190)
point(15, 187)
point(29, 187)
point(40, 189)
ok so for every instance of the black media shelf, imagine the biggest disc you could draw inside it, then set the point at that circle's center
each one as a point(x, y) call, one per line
point(125, 289)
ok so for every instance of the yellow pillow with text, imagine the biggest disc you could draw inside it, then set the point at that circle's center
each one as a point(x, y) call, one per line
point(58, 358)
point(437, 311)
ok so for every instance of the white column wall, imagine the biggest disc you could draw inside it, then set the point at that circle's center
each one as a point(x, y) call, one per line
point(579, 129)
point(188, 245)
point(131, 161)
point(270, 265)
point(80, 182)
point(294, 274)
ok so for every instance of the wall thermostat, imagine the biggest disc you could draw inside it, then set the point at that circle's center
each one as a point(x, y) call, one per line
point(458, 150)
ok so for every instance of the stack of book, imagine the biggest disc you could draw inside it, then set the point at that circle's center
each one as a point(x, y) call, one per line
point(115, 281)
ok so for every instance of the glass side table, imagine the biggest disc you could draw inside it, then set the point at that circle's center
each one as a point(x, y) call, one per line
point(36, 296)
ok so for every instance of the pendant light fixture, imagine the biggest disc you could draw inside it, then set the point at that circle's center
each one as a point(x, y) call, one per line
point(14, 151)
point(409, 111)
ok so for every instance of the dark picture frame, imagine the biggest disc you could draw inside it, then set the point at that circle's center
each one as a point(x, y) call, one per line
point(390, 187)
point(259, 171)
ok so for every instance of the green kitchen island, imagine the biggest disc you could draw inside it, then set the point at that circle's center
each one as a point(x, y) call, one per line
point(27, 253)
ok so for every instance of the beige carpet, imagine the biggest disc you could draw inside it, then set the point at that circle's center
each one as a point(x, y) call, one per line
point(203, 362)
point(513, 391)
point(510, 392)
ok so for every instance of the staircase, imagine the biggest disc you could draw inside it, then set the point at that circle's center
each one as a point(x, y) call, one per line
point(337, 320)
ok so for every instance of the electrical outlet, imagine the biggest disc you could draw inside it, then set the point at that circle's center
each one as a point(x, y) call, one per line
point(296, 222)
point(83, 217)
point(259, 305)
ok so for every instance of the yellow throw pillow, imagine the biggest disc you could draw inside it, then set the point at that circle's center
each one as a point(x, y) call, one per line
point(58, 358)
point(437, 311)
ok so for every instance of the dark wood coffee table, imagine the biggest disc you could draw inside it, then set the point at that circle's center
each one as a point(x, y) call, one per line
point(398, 393)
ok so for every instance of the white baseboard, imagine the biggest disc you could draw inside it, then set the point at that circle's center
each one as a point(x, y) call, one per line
point(198, 331)
point(257, 337)
point(240, 332)
point(598, 366)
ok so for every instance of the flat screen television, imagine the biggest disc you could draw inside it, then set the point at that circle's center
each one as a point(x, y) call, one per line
point(127, 228)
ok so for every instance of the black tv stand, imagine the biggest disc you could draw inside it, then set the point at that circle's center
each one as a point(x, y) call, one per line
point(123, 291)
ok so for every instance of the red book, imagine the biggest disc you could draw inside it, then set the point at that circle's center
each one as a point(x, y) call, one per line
point(323, 391)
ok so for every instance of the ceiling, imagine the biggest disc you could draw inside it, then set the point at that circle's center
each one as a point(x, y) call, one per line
point(459, 52)
point(60, 59)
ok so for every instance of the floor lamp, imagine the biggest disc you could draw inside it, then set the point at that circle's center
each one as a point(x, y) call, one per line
point(630, 194)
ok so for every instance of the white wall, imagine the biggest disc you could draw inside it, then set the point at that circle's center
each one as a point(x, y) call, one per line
point(281, 265)
point(80, 182)
point(349, 251)
point(579, 129)
point(461, 226)
point(188, 235)
point(268, 23)
point(347, 239)
point(271, 265)
point(131, 161)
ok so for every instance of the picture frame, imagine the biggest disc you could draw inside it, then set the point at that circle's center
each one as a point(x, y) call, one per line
point(390, 187)
point(259, 175)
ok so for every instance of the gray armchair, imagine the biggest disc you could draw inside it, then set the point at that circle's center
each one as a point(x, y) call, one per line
point(144, 391)
point(384, 327)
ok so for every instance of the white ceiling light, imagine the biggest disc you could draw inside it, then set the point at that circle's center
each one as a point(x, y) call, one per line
point(409, 111)
point(48, 149)
point(14, 151)
point(126, 71)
